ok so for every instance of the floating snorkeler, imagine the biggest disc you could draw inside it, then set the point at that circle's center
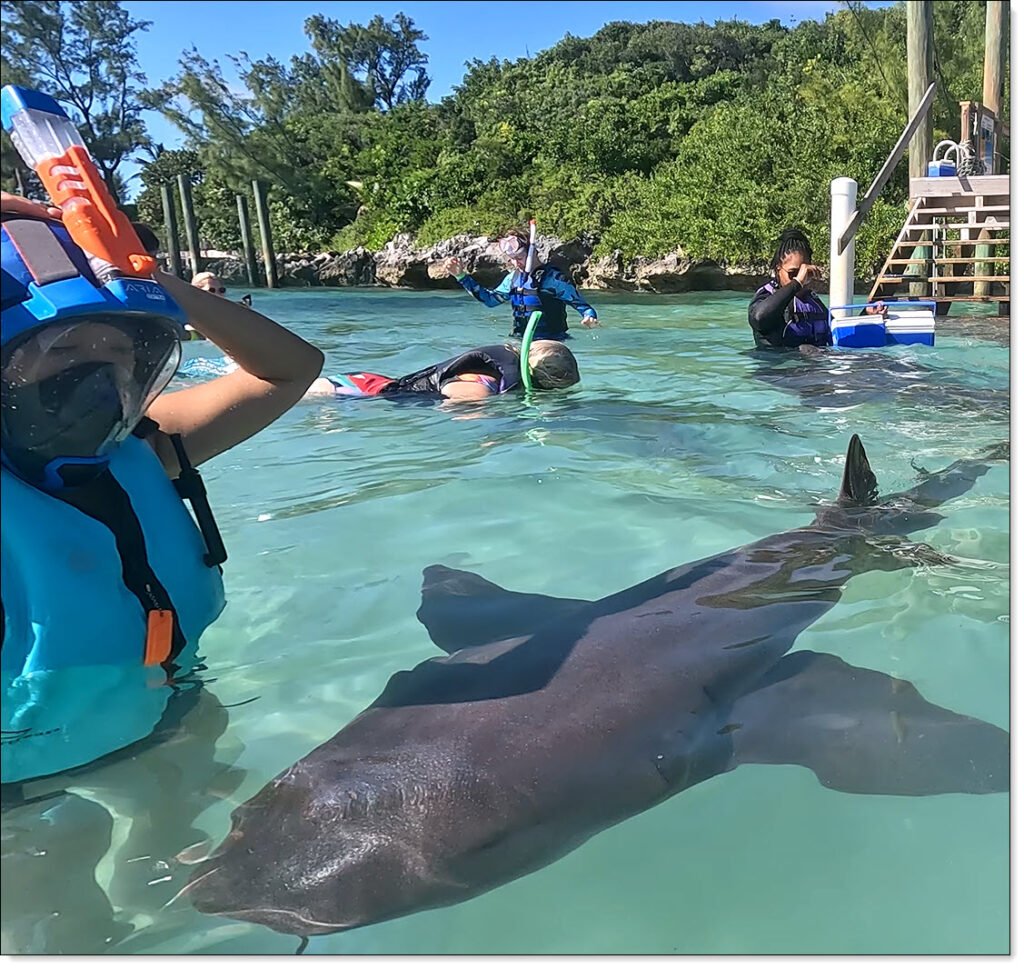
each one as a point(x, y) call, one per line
point(528, 288)
point(473, 375)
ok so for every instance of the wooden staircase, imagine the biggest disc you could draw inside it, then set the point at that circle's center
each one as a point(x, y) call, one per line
point(954, 246)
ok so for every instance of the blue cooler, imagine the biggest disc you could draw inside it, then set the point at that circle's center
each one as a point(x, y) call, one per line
point(907, 321)
point(941, 169)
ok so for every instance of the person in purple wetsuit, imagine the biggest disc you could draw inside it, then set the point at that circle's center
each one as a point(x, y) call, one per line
point(785, 313)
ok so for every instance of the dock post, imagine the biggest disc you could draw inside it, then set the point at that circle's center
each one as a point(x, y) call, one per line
point(263, 218)
point(841, 265)
point(185, 191)
point(920, 73)
point(243, 225)
point(171, 229)
point(996, 36)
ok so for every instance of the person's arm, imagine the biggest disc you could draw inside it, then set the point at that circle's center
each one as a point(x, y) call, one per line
point(276, 367)
point(767, 311)
point(489, 297)
point(558, 285)
point(465, 390)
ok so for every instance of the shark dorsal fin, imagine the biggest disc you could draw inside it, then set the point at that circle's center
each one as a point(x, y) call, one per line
point(860, 486)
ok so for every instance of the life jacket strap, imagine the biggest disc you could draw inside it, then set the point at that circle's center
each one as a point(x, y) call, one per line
point(191, 488)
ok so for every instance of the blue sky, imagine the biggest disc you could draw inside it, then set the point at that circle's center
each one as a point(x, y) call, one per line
point(458, 31)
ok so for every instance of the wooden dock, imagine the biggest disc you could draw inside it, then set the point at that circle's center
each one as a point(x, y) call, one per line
point(955, 244)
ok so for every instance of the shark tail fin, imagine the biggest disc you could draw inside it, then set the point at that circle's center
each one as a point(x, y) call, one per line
point(860, 486)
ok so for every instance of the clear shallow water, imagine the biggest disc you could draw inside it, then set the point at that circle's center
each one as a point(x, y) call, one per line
point(677, 444)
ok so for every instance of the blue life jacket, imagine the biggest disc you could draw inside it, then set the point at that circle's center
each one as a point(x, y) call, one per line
point(806, 319)
point(77, 586)
point(526, 296)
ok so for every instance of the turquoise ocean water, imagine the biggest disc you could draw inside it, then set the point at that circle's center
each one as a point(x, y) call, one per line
point(677, 444)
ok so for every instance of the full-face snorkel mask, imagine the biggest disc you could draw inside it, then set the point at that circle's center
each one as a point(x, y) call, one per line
point(81, 359)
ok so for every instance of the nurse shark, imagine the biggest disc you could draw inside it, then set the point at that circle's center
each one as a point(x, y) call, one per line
point(553, 719)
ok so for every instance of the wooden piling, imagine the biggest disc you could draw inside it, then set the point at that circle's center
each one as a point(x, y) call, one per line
point(920, 54)
point(997, 34)
point(171, 230)
point(246, 230)
point(266, 239)
point(920, 51)
point(185, 190)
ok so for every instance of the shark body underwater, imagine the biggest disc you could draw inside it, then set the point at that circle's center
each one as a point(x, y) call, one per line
point(553, 719)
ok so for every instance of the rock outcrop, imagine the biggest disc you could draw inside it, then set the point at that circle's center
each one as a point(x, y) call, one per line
point(401, 263)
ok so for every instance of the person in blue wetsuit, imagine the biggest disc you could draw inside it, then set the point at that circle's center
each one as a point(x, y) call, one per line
point(545, 288)
point(784, 313)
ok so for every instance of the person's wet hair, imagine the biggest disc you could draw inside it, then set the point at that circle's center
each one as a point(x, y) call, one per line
point(517, 232)
point(147, 237)
point(552, 365)
point(792, 240)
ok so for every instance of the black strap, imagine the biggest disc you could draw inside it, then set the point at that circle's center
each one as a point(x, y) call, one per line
point(190, 487)
point(104, 500)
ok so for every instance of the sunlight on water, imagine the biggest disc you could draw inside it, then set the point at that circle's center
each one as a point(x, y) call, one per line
point(679, 443)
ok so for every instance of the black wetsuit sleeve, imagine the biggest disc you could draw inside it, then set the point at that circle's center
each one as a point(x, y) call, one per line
point(767, 312)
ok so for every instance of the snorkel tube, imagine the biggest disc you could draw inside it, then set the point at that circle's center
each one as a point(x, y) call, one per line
point(49, 143)
point(531, 253)
point(524, 349)
point(531, 324)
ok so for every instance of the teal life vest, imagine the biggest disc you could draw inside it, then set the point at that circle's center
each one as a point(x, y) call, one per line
point(77, 677)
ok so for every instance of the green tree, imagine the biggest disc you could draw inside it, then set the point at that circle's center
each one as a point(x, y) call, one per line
point(83, 54)
point(384, 56)
point(708, 138)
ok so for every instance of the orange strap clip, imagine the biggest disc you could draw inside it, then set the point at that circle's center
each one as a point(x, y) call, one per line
point(159, 636)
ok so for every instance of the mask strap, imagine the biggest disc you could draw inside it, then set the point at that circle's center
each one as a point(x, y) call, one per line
point(41, 252)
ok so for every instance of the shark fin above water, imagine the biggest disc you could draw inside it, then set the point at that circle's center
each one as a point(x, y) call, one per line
point(860, 486)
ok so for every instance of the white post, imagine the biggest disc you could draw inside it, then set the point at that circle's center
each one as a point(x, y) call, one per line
point(840, 270)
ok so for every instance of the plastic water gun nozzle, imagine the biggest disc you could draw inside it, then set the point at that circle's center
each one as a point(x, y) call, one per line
point(49, 143)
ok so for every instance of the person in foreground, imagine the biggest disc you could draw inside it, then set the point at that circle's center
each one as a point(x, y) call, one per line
point(107, 582)
point(545, 288)
point(784, 312)
point(473, 375)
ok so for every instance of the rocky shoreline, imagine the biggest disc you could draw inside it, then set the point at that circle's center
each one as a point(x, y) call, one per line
point(402, 264)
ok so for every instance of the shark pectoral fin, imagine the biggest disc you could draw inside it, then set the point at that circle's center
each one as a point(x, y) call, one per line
point(860, 486)
point(864, 732)
point(462, 609)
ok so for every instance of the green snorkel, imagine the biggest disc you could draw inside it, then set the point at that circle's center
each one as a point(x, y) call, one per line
point(531, 324)
point(524, 350)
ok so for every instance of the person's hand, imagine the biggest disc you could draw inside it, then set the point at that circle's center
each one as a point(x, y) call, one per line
point(453, 266)
point(16, 205)
point(807, 272)
point(590, 322)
